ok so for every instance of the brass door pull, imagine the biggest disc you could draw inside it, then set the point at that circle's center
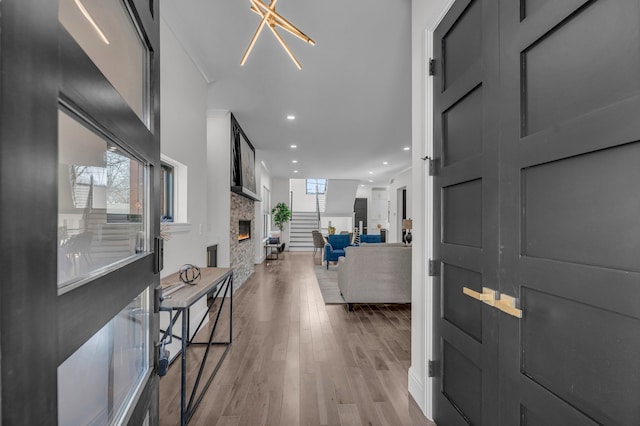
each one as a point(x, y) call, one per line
point(487, 296)
point(507, 304)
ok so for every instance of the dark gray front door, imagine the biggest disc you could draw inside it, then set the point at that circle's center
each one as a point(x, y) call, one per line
point(570, 211)
point(79, 153)
point(466, 206)
point(537, 138)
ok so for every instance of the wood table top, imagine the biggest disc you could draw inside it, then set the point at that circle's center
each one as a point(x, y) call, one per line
point(179, 295)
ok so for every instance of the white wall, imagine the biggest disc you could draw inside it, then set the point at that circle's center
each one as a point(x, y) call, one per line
point(377, 200)
point(280, 194)
point(403, 180)
point(218, 157)
point(424, 16)
point(378, 209)
point(302, 202)
point(183, 138)
point(340, 196)
point(263, 180)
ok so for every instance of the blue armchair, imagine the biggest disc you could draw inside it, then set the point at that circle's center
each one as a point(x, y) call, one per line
point(335, 247)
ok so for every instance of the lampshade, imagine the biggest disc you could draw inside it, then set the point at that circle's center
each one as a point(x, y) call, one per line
point(407, 224)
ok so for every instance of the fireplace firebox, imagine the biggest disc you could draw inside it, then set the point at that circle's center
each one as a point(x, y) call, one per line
point(244, 230)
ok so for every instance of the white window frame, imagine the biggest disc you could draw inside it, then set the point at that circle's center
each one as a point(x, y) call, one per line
point(180, 195)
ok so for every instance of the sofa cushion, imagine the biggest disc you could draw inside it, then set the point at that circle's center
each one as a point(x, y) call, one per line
point(339, 242)
point(370, 238)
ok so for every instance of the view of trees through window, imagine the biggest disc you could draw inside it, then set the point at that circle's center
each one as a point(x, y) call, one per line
point(109, 187)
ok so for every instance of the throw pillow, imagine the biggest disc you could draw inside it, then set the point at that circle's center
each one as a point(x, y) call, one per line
point(274, 240)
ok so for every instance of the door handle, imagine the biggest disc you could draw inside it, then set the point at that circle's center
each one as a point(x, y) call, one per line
point(487, 296)
point(507, 304)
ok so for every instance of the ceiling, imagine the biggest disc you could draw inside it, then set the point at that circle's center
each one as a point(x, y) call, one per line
point(351, 100)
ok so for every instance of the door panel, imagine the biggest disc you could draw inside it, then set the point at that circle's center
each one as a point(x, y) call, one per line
point(557, 89)
point(462, 128)
point(539, 146)
point(569, 212)
point(466, 142)
point(462, 209)
point(591, 184)
point(44, 70)
point(462, 383)
point(457, 308)
point(462, 44)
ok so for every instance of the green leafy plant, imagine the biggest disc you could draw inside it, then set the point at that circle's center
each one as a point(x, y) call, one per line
point(281, 215)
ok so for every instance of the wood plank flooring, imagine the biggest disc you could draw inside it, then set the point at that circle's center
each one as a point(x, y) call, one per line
point(296, 361)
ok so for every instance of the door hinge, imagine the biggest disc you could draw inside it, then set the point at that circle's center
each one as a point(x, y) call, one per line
point(432, 66)
point(432, 369)
point(433, 268)
point(432, 166)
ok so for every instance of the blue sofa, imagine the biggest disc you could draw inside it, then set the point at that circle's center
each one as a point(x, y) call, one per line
point(370, 238)
point(335, 247)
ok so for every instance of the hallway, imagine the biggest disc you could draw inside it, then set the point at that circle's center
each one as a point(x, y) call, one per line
point(295, 361)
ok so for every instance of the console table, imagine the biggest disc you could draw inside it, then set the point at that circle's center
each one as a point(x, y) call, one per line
point(179, 297)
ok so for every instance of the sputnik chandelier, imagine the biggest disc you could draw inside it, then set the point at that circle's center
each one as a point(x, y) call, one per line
point(272, 18)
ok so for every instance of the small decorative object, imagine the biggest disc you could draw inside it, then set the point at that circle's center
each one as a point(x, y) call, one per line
point(139, 242)
point(164, 230)
point(274, 240)
point(379, 226)
point(281, 215)
point(332, 230)
point(190, 274)
point(407, 224)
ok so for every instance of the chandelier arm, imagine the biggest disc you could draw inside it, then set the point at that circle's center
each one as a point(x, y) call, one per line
point(286, 25)
point(256, 35)
point(286, 48)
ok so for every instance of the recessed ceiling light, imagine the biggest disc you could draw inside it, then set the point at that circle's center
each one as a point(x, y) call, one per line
point(291, 117)
point(294, 161)
point(406, 148)
point(370, 181)
point(370, 172)
point(294, 146)
point(385, 162)
point(295, 171)
point(362, 185)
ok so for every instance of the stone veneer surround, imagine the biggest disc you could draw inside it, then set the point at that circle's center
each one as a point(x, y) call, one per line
point(241, 252)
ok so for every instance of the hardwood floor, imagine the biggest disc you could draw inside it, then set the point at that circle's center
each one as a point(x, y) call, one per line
point(295, 361)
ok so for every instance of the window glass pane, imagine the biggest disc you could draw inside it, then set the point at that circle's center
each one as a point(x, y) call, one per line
point(105, 31)
point(166, 193)
point(96, 383)
point(316, 186)
point(101, 202)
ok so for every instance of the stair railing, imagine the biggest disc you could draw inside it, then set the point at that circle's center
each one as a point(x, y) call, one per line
point(318, 206)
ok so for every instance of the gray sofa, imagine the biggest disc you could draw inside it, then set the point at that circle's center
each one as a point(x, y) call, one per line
point(375, 273)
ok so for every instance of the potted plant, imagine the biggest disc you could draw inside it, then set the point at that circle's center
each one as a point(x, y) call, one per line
point(281, 215)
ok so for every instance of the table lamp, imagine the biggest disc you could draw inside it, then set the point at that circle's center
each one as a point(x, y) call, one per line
point(407, 224)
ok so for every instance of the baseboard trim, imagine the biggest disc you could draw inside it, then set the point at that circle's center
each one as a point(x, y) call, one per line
point(417, 390)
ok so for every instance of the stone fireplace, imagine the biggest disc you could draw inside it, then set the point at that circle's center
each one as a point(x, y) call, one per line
point(242, 228)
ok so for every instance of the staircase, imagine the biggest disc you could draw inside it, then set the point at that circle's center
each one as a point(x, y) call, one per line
point(302, 223)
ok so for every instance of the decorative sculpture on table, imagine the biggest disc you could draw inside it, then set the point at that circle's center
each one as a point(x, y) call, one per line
point(189, 274)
